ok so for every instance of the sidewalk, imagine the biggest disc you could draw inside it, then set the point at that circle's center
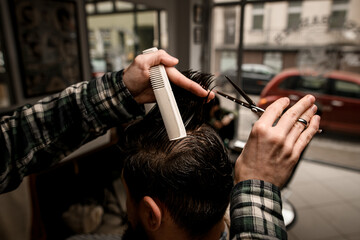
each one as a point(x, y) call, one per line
point(326, 201)
point(338, 152)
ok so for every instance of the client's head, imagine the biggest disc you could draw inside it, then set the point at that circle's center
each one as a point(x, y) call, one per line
point(179, 187)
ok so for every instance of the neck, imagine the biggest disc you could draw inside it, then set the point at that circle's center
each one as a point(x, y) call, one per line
point(173, 232)
point(216, 231)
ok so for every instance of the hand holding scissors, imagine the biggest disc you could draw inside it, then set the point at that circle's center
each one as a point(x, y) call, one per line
point(272, 151)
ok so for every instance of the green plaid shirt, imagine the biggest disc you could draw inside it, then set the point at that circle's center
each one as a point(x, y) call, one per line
point(37, 136)
point(255, 211)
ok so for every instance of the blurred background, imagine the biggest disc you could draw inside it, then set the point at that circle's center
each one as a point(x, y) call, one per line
point(270, 48)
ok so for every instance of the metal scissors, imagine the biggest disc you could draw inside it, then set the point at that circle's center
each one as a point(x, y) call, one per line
point(249, 104)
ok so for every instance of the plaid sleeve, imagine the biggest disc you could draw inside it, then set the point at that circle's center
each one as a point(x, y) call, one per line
point(256, 211)
point(37, 136)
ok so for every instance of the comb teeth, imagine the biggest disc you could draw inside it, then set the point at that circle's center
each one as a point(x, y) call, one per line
point(156, 78)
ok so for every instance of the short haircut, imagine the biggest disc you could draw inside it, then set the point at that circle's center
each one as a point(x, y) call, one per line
point(192, 176)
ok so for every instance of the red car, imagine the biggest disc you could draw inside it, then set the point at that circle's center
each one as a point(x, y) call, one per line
point(337, 96)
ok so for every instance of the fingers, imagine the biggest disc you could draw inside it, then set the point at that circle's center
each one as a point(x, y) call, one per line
point(164, 58)
point(143, 63)
point(271, 153)
point(274, 111)
point(290, 117)
point(158, 57)
point(179, 79)
point(307, 135)
point(299, 127)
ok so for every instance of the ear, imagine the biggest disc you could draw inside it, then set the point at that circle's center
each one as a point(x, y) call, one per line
point(150, 214)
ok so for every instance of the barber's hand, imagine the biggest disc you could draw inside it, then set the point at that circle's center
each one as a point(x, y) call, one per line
point(137, 76)
point(271, 153)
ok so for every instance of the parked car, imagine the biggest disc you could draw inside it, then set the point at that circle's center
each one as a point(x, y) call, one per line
point(254, 77)
point(337, 96)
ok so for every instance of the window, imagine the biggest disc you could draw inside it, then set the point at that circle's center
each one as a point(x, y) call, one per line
point(274, 60)
point(92, 40)
point(230, 29)
point(106, 37)
point(90, 8)
point(338, 14)
point(104, 7)
point(346, 89)
point(258, 16)
point(311, 84)
point(315, 84)
point(228, 61)
point(118, 34)
point(289, 83)
point(122, 6)
point(294, 15)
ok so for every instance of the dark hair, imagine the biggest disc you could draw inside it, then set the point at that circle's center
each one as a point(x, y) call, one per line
point(192, 176)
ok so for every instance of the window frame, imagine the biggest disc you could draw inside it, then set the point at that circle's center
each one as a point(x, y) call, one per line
point(227, 11)
point(294, 11)
point(258, 13)
point(334, 91)
point(338, 7)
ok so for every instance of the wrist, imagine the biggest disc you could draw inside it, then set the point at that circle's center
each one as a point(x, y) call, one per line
point(246, 174)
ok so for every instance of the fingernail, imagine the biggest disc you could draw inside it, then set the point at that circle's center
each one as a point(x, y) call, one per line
point(311, 97)
point(314, 108)
point(287, 100)
point(211, 96)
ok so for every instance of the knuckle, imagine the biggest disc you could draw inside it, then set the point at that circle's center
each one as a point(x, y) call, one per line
point(292, 114)
point(278, 140)
point(162, 52)
point(287, 150)
point(308, 138)
point(259, 128)
point(138, 60)
point(293, 159)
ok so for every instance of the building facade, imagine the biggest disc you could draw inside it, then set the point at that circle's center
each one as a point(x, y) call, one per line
point(321, 34)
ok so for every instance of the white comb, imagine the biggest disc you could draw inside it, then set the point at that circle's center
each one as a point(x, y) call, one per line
point(166, 100)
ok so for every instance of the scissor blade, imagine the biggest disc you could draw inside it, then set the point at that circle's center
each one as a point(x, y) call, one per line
point(244, 104)
point(243, 94)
